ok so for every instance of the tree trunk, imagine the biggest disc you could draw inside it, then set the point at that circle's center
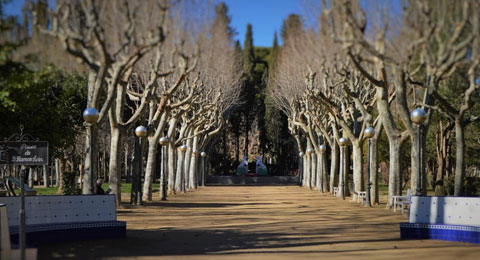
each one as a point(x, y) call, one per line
point(358, 181)
point(150, 168)
point(193, 164)
point(307, 167)
point(313, 170)
point(31, 172)
point(319, 182)
point(45, 176)
point(179, 181)
point(171, 168)
point(386, 116)
point(114, 176)
point(171, 155)
point(394, 171)
point(57, 172)
point(333, 166)
point(459, 157)
point(188, 155)
point(61, 170)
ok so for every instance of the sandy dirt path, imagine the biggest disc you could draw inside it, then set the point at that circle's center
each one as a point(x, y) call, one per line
point(259, 222)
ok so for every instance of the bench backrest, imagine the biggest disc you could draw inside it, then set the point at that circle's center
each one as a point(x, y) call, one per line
point(445, 210)
point(61, 209)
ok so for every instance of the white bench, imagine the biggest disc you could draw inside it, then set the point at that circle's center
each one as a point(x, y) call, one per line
point(402, 201)
point(335, 191)
point(361, 196)
point(445, 218)
point(51, 219)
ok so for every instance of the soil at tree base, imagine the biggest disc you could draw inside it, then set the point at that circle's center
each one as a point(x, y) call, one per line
point(261, 222)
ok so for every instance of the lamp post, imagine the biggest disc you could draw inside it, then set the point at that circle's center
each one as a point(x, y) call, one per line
point(343, 142)
point(163, 169)
point(90, 115)
point(300, 168)
point(322, 149)
point(202, 167)
point(183, 149)
point(22, 235)
point(418, 116)
point(140, 132)
point(369, 132)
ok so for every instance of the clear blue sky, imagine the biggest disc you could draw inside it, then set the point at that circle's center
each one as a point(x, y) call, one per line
point(266, 16)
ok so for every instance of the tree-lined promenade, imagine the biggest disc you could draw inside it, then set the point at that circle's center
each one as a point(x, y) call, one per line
point(174, 68)
point(358, 92)
point(261, 222)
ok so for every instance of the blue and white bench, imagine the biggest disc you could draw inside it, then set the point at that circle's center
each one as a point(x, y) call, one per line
point(51, 219)
point(444, 218)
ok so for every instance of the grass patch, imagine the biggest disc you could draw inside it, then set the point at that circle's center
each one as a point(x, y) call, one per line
point(126, 188)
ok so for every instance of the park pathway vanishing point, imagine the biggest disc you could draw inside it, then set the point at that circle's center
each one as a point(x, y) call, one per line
point(260, 222)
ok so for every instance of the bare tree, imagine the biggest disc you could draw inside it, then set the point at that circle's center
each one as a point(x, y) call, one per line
point(104, 36)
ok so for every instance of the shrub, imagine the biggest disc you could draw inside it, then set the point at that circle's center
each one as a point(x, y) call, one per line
point(69, 187)
point(472, 186)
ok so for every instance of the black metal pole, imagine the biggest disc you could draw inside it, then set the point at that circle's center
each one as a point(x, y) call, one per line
point(133, 193)
point(300, 170)
point(369, 183)
point(22, 239)
point(419, 167)
point(342, 173)
point(164, 173)
point(203, 171)
point(139, 173)
point(92, 181)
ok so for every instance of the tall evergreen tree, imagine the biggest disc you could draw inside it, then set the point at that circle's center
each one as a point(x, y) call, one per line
point(222, 19)
point(248, 52)
point(249, 87)
point(290, 27)
point(276, 123)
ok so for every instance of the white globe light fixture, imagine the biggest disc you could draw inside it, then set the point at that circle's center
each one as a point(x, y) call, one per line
point(322, 148)
point(141, 131)
point(418, 116)
point(90, 115)
point(342, 141)
point(369, 132)
point(164, 141)
point(183, 148)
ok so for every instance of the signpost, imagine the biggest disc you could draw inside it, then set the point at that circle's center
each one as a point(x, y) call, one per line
point(23, 149)
point(24, 153)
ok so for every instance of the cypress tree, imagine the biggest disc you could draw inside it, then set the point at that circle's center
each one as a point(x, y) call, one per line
point(249, 87)
point(290, 27)
point(248, 52)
